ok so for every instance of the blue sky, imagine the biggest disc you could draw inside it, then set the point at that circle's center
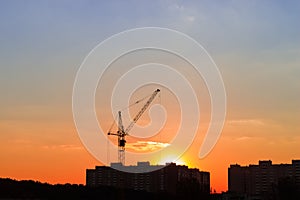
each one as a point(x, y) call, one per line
point(44, 42)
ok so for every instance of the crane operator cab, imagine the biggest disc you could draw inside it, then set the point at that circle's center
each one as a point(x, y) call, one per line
point(122, 143)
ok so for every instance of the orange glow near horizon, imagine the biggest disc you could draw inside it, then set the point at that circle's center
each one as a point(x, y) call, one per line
point(172, 158)
point(56, 162)
point(52, 151)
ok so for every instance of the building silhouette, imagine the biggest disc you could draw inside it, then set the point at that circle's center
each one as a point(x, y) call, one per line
point(262, 181)
point(171, 178)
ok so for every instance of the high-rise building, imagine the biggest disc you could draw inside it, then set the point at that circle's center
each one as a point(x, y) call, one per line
point(262, 179)
point(170, 178)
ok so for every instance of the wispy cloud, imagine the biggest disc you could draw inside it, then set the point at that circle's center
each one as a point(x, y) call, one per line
point(146, 145)
point(190, 18)
point(176, 7)
point(62, 147)
point(185, 14)
point(246, 122)
point(243, 138)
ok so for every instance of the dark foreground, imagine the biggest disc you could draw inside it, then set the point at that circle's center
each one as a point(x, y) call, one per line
point(28, 189)
point(12, 189)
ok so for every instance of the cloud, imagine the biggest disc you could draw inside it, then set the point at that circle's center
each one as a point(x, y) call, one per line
point(176, 7)
point(184, 13)
point(243, 138)
point(246, 122)
point(190, 18)
point(146, 145)
point(62, 147)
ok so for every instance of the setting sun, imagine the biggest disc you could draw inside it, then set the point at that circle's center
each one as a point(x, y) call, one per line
point(172, 159)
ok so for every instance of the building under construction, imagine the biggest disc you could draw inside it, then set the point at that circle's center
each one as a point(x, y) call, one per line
point(263, 180)
point(170, 179)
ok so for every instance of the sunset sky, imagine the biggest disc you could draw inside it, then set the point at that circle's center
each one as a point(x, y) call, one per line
point(255, 44)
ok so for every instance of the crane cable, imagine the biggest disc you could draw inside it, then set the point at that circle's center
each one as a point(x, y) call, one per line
point(113, 124)
point(136, 102)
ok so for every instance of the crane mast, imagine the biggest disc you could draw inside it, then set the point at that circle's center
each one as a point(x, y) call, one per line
point(121, 133)
point(121, 139)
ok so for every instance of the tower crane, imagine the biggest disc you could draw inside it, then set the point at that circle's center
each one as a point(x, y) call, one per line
point(122, 133)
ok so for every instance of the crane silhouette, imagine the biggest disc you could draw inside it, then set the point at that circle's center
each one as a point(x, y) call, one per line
point(122, 133)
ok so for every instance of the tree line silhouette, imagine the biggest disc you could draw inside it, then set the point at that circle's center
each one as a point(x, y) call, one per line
point(29, 189)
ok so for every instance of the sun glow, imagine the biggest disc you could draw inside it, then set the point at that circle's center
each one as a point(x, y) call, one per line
point(173, 159)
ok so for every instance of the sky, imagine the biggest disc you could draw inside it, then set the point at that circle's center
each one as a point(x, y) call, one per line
point(255, 44)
